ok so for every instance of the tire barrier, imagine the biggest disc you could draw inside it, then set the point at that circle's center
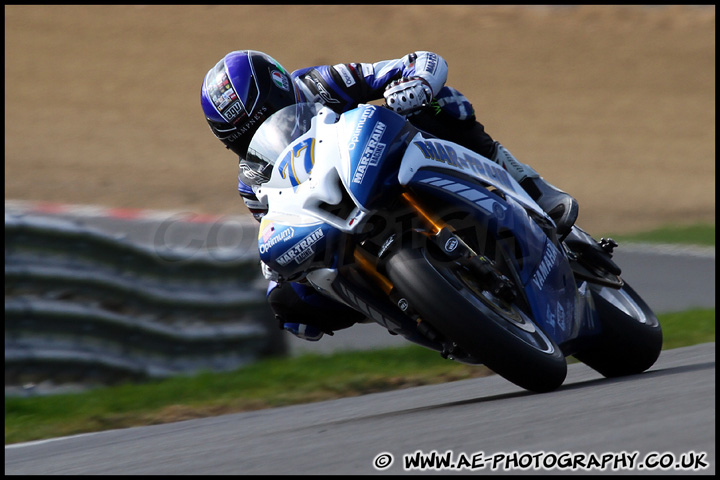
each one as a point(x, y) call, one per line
point(86, 307)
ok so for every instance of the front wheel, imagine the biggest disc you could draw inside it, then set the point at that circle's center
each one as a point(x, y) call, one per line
point(631, 339)
point(498, 333)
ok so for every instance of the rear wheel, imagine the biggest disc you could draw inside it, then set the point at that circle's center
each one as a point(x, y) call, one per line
point(499, 333)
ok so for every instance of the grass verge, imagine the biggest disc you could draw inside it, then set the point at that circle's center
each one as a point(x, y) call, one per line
point(268, 383)
point(697, 234)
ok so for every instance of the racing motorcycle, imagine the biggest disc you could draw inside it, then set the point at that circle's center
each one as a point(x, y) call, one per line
point(440, 245)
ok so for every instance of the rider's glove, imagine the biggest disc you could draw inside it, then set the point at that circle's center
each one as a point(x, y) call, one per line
point(269, 273)
point(408, 95)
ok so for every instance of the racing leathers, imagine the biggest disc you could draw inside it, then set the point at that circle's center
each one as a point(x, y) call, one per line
point(416, 80)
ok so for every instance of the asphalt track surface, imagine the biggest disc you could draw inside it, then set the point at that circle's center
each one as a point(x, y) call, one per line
point(663, 415)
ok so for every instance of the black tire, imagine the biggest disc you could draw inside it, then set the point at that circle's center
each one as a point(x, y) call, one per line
point(500, 335)
point(632, 337)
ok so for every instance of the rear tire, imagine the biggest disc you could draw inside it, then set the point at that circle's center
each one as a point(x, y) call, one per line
point(499, 334)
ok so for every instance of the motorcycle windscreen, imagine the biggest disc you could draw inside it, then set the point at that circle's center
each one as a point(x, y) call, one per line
point(281, 129)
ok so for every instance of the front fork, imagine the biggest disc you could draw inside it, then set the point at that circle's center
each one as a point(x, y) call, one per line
point(454, 248)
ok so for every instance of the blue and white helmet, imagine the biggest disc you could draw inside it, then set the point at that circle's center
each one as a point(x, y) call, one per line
point(240, 93)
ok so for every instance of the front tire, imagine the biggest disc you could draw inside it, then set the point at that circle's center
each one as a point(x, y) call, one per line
point(500, 334)
point(631, 339)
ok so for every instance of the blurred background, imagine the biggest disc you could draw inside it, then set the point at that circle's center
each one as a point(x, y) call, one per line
point(614, 104)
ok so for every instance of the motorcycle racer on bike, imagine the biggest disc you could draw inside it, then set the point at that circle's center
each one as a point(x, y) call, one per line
point(245, 87)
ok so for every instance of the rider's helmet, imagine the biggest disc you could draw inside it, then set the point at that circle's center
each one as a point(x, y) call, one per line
point(240, 92)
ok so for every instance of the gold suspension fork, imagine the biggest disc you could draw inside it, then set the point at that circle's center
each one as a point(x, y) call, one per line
point(456, 248)
point(437, 226)
point(370, 269)
point(368, 266)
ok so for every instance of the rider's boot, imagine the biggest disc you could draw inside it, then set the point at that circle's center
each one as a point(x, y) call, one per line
point(301, 330)
point(560, 206)
point(302, 311)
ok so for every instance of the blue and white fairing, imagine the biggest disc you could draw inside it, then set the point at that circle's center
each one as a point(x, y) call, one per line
point(324, 181)
point(458, 176)
point(329, 176)
point(376, 139)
